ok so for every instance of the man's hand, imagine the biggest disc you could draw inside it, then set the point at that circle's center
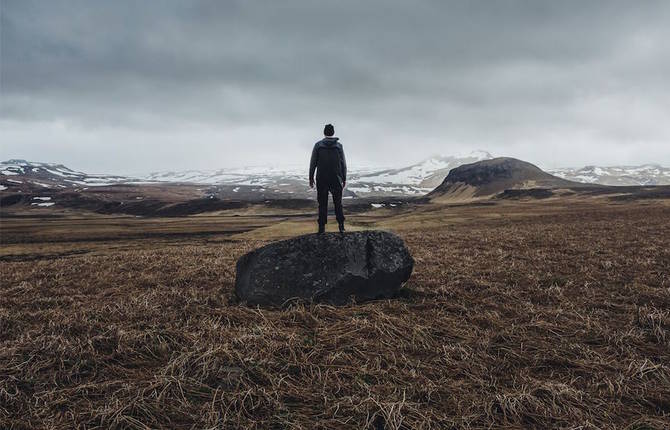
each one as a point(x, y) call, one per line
point(344, 184)
point(311, 184)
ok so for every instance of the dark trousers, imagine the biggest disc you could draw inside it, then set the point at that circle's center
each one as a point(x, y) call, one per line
point(322, 189)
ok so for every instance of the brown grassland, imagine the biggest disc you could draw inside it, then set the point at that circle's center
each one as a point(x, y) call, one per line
point(535, 314)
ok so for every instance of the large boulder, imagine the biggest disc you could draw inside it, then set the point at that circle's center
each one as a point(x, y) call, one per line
point(324, 268)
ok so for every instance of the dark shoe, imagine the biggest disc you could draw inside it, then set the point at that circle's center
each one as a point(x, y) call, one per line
point(342, 228)
point(322, 229)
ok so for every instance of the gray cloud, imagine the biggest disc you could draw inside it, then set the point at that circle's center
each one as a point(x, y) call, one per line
point(133, 86)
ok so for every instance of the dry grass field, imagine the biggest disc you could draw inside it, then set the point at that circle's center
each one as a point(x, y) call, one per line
point(536, 314)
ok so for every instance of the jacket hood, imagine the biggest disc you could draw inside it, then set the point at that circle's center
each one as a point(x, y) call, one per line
point(329, 141)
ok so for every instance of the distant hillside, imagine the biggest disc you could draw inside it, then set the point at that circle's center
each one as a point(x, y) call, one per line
point(248, 183)
point(427, 174)
point(413, 180)
point(14, 173)
point(44, 187)
point(261, 183)
point(647, 174)
point(490, 177)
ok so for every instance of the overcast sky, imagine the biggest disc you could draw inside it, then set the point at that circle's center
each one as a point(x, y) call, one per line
point(138, 86)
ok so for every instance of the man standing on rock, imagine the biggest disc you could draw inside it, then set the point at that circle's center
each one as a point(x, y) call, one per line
point(331, 175)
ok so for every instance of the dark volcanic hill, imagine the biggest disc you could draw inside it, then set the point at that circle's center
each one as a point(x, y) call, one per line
point(494, 176)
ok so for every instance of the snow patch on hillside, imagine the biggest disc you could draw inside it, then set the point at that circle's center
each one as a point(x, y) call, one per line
point(649, 174)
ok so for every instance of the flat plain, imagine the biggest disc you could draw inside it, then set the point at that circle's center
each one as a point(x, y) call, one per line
point(519, 314)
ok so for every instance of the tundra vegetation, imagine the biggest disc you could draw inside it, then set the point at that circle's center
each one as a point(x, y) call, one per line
point(519, 314)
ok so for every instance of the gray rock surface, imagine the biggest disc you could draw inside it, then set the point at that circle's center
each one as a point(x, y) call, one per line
point(328, 268)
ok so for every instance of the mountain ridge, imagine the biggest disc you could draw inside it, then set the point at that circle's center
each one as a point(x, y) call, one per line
point(643, 174)
point(39, 186)
point(413, 180)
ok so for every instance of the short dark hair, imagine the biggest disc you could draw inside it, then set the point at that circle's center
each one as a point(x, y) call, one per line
point(329, 130)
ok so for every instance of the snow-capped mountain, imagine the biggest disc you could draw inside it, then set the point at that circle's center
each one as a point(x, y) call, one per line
point(423, 176)
point(416, 179)
point(291, 182)
point(648, 174)
point(16, 172)
point(257, 175)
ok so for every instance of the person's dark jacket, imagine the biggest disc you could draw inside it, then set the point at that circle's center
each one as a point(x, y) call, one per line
point(328, 161)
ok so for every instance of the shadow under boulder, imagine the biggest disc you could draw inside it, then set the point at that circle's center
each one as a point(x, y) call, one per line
point(324, 268)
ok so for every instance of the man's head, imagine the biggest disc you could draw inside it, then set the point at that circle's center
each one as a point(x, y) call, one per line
point(329, 130)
